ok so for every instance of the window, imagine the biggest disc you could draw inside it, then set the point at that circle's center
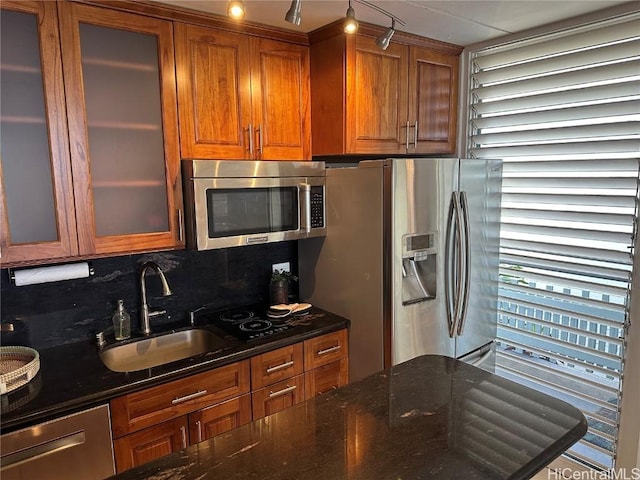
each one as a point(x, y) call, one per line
point(563, 112)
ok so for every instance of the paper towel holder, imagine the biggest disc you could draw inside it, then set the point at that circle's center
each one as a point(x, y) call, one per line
point(12, 271)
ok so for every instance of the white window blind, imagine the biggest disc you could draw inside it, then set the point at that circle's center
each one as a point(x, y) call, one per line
point(563, 112)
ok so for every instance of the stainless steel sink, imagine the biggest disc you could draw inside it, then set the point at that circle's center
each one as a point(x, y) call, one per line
point(160, 349)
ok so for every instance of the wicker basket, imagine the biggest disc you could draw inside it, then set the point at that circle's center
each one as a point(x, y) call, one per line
point(18, 366)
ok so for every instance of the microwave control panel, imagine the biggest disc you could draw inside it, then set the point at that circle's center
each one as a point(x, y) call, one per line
point(317, 206)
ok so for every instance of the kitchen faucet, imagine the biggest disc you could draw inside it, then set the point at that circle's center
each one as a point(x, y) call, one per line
point(144, 310)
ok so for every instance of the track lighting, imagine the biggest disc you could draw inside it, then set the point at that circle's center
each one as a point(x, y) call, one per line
point(383, 40)
point(235, 9)
point(293, 14)
point(350, 23)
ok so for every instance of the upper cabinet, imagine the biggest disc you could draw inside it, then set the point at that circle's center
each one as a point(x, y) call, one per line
point(241, 97)
point(402, 100)
point(121, 102)
point(90, 159)
point(36, 195)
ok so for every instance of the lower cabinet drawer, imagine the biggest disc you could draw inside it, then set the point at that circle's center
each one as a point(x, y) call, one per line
point(220, 418)
point(145, 408)
point(276, 365)
point(72, 447)
point(278, 396)
point(325, 349)
point(151, 443)
point(326, 378)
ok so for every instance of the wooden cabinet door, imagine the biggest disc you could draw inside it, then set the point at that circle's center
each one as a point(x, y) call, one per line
point(220, 418)
point(37, 219)
point(376, 97)
point(120, 95)
point(326, 378)
point(214, 93)
point(281, 102)
point(276, 365)
point(277, 397)
point(151, 443)
point(433, 101)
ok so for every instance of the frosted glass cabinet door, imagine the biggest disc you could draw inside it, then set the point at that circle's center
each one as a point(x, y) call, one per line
point(37, 201)
point(122, 127)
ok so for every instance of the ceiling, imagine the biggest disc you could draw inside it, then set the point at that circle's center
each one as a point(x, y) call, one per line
point(462, 22)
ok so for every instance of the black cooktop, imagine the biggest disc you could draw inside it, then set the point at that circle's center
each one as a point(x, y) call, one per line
point(252, 323)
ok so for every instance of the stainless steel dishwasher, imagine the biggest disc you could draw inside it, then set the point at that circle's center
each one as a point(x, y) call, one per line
point(76, 446)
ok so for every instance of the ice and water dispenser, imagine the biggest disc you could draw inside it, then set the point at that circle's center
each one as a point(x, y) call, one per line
point(419, 260)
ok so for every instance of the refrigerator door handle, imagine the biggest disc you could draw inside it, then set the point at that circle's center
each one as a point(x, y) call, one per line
point(449, 265)
point(458, 277)
point(453, 257)
point(466, 274)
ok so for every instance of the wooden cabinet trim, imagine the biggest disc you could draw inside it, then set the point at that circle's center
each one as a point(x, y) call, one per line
point(371, 30)
point(179, 14)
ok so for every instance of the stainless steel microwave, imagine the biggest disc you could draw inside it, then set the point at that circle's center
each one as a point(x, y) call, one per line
point(230, 203)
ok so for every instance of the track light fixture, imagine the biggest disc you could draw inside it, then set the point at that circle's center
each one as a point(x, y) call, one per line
point(235, 9)
point(350, 23)
point(293, 14)
point(383, 40)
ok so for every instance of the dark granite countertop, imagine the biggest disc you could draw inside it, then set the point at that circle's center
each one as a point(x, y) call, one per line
point(72, 377)
point(430, 417)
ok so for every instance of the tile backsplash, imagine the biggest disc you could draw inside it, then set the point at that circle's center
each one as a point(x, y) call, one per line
point(68, 311)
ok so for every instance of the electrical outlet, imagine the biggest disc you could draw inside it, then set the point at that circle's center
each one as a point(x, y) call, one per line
point(282, 267)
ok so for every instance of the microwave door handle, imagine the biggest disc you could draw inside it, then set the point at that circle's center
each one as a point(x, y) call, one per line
point(304, 190)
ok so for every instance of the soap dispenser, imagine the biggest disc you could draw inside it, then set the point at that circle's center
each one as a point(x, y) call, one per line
point(121, 322)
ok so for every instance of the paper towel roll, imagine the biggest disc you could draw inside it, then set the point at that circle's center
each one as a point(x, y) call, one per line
point(54, 273)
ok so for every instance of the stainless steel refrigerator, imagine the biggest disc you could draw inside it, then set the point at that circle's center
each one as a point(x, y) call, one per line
point(410, 258)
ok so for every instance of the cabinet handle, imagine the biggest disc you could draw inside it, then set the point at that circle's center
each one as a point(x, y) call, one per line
point(199, 427)
point(188, 397)
point(33, 453)
point(332, 387)
point(260, 141)
point(183, 432)
point(407, 137)
point(280, 367)
point(285, 390)
point(415, 134)
point(250, 128)
point(180, 226)
point(328, 350)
